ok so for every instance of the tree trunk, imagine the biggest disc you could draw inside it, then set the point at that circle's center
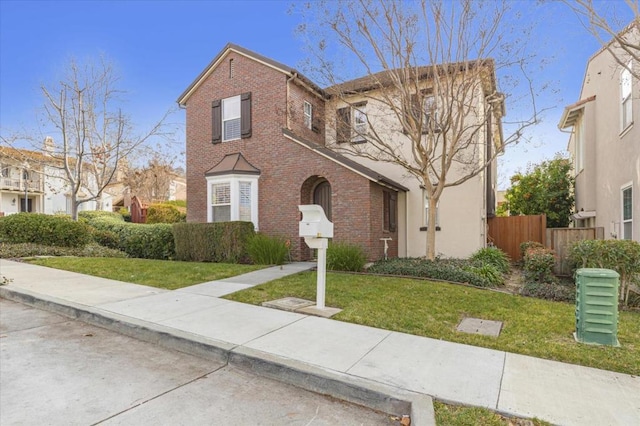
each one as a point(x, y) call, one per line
point(431, 228)
point(74, 207)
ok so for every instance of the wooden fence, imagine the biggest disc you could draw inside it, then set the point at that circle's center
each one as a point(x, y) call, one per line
point(559, 239)
point(507, 233)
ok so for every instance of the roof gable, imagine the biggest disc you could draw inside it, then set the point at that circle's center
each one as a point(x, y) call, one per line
point(230, 47)
point(233, 164)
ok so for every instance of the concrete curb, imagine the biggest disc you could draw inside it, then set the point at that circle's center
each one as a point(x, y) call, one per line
point(342, 386)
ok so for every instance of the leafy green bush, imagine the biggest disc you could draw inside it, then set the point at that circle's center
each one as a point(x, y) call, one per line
point(538, 265)
point(345, 257)
point(212, 242)
point(44, 229)
point(489, 272)
point(105, 238)
point(549, 291)
point(529, 244)
point(125, 213)
point(266, 250)
point(89, 215)
point(493, 256)
point(164, 213)
point(8, 251)
point(441, 269)
point(140, 240)
point(623, 256)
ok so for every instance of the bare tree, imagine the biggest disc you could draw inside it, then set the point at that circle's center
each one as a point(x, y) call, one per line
point(92, 134)
point(433, 103)
point(152, 182)
point(619, 37)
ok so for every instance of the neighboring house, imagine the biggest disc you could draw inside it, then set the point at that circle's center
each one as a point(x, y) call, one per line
point(37, 178)
point(258, 145)
point(605, 145)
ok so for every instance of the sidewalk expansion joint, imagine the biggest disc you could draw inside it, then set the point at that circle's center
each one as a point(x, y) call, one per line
point(270, 332)
point(504, 366)
point(368, 352)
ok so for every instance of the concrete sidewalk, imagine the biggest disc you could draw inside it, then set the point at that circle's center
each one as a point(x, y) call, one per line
point(389, 371)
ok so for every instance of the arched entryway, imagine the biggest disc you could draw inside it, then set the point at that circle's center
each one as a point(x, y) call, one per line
point(322, 197)
point(315, 190)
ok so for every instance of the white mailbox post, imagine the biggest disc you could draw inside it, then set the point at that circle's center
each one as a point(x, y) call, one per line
point(316, 230)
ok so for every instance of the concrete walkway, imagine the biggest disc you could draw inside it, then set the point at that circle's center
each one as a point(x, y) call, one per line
point(393, 372)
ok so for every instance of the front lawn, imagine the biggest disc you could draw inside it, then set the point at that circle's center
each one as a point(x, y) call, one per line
point(532, 327)
point(166, 274)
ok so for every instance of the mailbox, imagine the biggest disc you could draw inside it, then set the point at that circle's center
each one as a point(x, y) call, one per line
point(314, 223)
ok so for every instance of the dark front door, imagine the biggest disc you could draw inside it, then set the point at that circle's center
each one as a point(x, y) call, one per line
point(322, 197)
point(29, 205)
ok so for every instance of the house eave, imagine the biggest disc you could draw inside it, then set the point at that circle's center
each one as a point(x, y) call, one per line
point(572, 113)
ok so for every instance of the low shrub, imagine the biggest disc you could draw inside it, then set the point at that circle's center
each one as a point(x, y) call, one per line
point(125, 213)
point(105, 238)
point(165, 213)
point(529, 244)
point(140, 240)
point(622, 256)
point(493, 256)
point(452, 270)
point(538, 265)
point(89, 215)
point(549, 291)
point(8, 251)
point(266, 250)
point(489, 272)
point(212, 242)
point(345, 257)
point(44, 229)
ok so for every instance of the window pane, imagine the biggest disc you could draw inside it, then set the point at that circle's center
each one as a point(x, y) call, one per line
point(221, 213)
point(221, 193)
point(231, 129)
point(626, 231)
point(625, 82)
point(626, 204)
point(231, 108)
point(245, 201)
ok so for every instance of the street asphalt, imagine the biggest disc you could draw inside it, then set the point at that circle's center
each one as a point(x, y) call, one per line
point(57, 371)
point(388, 371)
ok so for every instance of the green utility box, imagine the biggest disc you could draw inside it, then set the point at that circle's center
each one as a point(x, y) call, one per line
point(597, 306)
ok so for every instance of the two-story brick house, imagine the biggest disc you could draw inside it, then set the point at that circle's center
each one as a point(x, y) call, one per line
point(256, 148)
point(604, 143)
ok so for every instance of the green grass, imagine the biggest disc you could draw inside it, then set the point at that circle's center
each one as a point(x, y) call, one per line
point(453, 415)
point(532, 327)
point(166, 274)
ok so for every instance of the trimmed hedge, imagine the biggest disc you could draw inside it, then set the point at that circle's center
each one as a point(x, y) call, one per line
point(139, 240)
point(224, 242)
point(165, 213)
point(44, 229)
point(89, 215)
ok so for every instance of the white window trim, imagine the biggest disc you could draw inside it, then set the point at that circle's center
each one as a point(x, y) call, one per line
point(627, 186)
point(359, 134)
point(234, 186)
point(308, 115)
point(625, 75)
point(238, 117)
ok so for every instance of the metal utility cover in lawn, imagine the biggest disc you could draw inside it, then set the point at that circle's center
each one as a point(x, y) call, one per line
point(480, 326)
point(288, 304)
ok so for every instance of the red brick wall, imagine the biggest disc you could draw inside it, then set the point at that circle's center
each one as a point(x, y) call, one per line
point(285, 165)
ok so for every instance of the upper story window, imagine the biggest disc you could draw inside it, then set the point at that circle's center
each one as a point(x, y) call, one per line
point(5, 171)
point(308, 115)
point(424, 108)
point(231, 118)
point(352, 123)
point(579, 146)
point(625, 92)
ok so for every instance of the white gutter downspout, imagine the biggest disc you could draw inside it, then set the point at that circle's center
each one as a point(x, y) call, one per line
point(288, 113)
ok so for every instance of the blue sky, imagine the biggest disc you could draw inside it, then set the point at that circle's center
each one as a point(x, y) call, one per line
point(159, 47)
